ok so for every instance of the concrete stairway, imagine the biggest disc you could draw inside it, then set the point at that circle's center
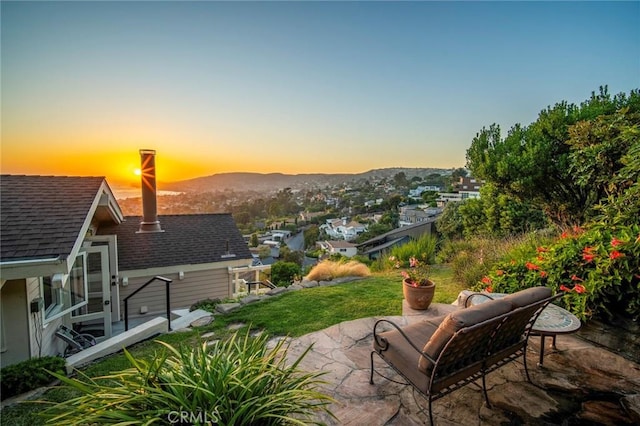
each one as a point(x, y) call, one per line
point(117, 343)
point(136, 334)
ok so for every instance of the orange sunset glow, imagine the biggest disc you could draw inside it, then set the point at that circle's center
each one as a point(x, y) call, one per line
point(289, 87)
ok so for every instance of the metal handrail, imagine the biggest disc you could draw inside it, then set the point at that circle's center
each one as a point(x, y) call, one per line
point(265, 283)
point(166, 281)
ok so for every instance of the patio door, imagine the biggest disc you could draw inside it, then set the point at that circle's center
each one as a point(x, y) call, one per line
point(95, 317)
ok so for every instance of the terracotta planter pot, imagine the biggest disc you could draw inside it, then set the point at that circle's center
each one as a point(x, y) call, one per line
point(418, 297)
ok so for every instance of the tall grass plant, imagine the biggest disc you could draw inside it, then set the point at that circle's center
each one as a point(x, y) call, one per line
point(238, 381)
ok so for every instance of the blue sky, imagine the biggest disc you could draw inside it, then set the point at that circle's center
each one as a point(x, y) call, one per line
point(292, 87)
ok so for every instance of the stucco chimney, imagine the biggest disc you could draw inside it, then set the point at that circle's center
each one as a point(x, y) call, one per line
point(150, 221)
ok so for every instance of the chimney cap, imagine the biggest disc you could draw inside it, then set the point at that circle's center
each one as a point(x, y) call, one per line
point(148, 151)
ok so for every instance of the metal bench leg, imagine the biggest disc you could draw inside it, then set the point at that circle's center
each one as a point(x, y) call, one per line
point(430, 412)
point(484, 390)
point(371, 376)
point(541, 361)
point(524, 359)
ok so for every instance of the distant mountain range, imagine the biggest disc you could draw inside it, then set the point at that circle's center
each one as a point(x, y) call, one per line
point(276, 181)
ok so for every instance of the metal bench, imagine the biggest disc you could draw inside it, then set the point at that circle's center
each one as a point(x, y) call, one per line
point(442, 355)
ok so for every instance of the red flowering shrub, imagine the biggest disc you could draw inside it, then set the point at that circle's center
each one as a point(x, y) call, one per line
point(597, 267)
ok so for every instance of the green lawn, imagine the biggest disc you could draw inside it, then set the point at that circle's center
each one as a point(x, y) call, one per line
point(294, 313)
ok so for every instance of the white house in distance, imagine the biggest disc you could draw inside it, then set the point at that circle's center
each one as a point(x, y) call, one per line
point(418, 191)
point(69, 257)
point(467, 187)
point(341, 247)
point(340, 229)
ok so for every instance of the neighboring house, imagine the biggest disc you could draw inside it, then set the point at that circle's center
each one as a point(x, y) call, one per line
point(344, 248)
point(351, 230)
point(418, 191)
point(466, 188)
point(339, 229)
point(410, 215)
point(377, 246)
point(68, 256)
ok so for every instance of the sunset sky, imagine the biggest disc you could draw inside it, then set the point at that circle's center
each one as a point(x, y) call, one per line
point(292, 87)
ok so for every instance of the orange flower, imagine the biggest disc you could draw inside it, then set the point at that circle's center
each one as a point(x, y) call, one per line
point(574, 277)
point(564, 235)
point(499, 272)
point(577, 230)
point(488, 289)
point(531, 266)
point(579, 288)
point(541, 250)
point(615, 242)
point(615, 254)
point(587, 254)
point(564, 288)
point(486, 280)
point(543, 274)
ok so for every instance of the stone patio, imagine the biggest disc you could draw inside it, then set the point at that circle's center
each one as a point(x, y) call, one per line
point(579, 383)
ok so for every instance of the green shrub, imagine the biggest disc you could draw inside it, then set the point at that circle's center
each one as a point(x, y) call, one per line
point(471, 259)
point(30, 374)
point(362, 259)
point(239, 381)
point(424, 249)
point(284, 273)
point(206, 304)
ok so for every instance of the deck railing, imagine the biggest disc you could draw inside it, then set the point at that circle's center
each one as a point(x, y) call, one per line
point(166, 281)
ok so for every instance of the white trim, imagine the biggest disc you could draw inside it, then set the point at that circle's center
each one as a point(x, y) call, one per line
point(62, 312)
point(30, 262)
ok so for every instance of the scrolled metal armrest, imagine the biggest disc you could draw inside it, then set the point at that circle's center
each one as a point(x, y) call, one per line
point(384, 344)
point(466, 302)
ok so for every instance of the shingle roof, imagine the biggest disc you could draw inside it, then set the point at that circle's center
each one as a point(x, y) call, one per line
point(41, 216)
point(187, 239)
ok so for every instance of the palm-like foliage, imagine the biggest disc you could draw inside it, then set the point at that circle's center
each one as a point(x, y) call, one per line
point(239, 381)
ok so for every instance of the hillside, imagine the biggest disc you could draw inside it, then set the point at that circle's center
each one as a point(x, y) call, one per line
point(275, 181)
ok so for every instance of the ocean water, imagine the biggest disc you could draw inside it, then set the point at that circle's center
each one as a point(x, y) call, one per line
point(123, 192)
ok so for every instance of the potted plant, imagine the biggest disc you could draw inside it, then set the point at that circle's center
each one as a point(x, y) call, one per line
point(417, 288)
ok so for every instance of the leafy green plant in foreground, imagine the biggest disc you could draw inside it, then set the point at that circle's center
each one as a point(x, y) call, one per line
point(238, 381)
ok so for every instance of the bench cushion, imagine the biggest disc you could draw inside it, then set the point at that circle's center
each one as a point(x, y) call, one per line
point(528, 296)
point(400, 353)
point(454, 322)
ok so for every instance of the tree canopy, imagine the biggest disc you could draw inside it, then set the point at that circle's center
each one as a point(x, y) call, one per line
point(564, 160)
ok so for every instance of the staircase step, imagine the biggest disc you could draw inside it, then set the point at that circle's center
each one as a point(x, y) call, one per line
point(186, 320)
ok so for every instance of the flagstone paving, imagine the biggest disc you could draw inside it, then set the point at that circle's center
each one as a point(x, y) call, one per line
point(579, 384)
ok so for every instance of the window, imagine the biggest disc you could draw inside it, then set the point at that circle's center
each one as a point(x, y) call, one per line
point(62, 293)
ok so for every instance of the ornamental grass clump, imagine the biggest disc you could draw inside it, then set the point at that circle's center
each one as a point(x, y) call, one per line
point(239, 381)
point(328, 270)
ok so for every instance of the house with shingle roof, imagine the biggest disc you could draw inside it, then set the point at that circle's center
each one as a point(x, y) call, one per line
point(194, 250)
point(70, 257)
point(44, 264)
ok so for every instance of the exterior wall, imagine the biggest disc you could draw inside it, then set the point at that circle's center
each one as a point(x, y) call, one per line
point(14, 323)
point(43, 339)
point(195, 286)
point(348, 251)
